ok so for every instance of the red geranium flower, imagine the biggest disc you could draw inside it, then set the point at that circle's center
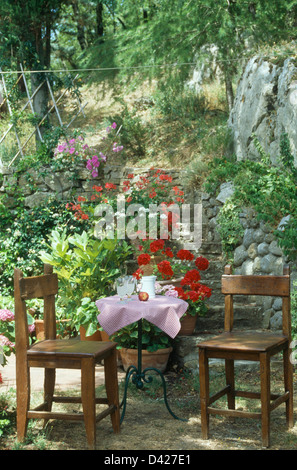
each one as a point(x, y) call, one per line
point(201, 263)
point(138, 273)
point(143, 259)
point(156, 245)
point(205, 292)
point(168, 252)
point(185, 255)
point(194, 296)
point(165, 269)
point(195, 286)
point(190, 277)
point(109, 186)
point(97, 188)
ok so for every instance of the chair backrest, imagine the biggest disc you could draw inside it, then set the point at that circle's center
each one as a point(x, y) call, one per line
point(44, 286)
point(278, 286)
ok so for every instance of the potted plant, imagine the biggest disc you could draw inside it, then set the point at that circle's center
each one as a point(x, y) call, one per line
point(196, 301)
point(179, 277)
point(156, 345)
point(87, 269)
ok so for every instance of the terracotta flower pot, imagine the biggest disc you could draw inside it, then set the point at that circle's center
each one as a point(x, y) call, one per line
point(95, 337)
point(157, 359)
point(148, 269)
point(174, 282)
point(104, 336)
point(39, 328)
point(188, 324)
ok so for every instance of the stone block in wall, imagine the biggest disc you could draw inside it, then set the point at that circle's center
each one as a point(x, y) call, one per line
point(277, 304)
point(9, 183)
point(275, 249)
point(5, 170)
point(240, 255)
point(248, 237)
point(226, 191)
point(267, 314)
point(247, 268)
point(258, 235)
point(252, 251)
point(276, 321)
point(263, 249)
point(271, 264)
point(37, 199)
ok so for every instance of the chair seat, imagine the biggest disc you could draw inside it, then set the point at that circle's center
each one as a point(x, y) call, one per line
point(70, 348)
point(245, 342)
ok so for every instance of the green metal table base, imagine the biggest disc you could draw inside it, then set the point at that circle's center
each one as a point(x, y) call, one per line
point(139, 377)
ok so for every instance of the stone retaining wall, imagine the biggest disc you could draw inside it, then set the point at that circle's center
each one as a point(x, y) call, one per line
point(257, 253)
point(39, 185)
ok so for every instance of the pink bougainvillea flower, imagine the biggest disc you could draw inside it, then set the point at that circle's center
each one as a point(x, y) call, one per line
point(71, 150)
point(95, 161)
point(113, 125)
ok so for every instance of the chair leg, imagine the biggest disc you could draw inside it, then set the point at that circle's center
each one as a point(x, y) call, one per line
point(112, 389)
point(265, 397)
point(88, 399)
point(23, 400)
point(229, 368)
point(288, 383)
point(49, 387)
point(204, 392)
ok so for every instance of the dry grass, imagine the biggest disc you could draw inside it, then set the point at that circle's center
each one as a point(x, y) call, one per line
point(149, 426)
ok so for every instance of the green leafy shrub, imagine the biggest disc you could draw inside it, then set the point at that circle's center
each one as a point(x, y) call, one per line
point(23, 234)
point(229, 226)
point(271, 190)
point(7, 412)
point(87, 268)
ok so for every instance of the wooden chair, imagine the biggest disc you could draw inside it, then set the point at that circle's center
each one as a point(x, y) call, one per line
point(251, 346)
point(53, 353)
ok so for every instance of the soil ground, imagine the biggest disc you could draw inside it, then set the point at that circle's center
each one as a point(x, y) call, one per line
point(148, 426)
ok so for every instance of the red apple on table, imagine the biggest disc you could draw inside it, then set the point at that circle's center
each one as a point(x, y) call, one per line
point(143, 296)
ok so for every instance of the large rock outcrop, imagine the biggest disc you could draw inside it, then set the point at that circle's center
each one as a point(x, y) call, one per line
point(265, 106)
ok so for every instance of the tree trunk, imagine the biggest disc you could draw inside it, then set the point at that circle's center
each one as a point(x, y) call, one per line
point(80, 29)
point(40, 101)
point(229, 89)
point(99, 20)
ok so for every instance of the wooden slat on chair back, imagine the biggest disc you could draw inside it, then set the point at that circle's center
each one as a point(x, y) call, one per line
point(21, 323)
point(278, 286)
point(38, 286)
point(44, 286)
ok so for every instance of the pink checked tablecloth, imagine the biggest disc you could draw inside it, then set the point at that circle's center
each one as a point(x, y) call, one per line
point(164, 312)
